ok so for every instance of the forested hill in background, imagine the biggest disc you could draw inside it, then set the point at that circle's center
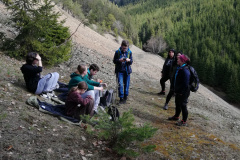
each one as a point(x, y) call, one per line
point(206, 30)
point(125, 2)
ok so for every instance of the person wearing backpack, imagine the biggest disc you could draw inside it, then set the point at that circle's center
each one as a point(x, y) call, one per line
point(76, 105)
point(182, 90)
point(123, 61)
point(166, 70)
point(173, 71)
point(42, 86)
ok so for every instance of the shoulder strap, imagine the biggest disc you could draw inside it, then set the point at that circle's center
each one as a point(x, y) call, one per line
point(129, 52)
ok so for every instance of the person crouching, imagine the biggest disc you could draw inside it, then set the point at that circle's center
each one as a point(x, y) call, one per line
point(76, 105)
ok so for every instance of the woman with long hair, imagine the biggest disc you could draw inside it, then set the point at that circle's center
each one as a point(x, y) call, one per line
point(76, 105)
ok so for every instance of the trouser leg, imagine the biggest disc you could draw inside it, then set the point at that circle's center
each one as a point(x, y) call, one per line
point(126, 84)
point(120, 85)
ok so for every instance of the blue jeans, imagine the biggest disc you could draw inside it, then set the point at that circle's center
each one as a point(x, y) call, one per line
point(123, 84)
point(47, 83)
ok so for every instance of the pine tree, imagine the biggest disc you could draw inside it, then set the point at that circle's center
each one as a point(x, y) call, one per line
point(39, 31)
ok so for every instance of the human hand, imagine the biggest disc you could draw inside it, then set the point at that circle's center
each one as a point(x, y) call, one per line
point(89, 97)
point(38, 57)
point(128, 60)
point(122, 60)
point(99, 80)
point(103, 84)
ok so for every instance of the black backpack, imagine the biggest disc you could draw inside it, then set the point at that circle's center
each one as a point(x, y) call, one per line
point(194, 80)
point(114, 113)
point(108, 98)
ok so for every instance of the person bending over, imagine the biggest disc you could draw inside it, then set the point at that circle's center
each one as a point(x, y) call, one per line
point(76, 105)
point(92, 71)
point(42, 86)
point(93, 87)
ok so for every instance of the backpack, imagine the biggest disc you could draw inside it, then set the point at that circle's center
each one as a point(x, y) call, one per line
point(119, 52)
point(108, 98)
point(114, 113)
point(194, 80)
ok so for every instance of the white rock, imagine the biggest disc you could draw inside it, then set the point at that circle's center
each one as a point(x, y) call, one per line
point(50, 150)
point(83, 138)
point(84, 158)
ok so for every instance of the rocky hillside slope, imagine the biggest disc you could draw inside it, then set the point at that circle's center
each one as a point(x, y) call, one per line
point(25, 133)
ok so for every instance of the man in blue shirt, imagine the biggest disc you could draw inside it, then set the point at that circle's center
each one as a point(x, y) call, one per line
point(123, 61)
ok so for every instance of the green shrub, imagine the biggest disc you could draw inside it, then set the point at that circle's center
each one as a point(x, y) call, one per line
point(39, 31)
point(123, 135)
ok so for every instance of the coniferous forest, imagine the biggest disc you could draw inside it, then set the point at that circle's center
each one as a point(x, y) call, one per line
point(208, 31)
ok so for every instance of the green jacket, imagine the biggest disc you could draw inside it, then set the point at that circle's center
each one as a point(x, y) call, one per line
point(76, 78)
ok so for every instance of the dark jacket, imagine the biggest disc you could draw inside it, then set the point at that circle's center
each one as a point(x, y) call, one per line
point(76, 78)
point(123, 66)
point(167, 67)
point(181, 81)
point(31, 76)
point(73, 101)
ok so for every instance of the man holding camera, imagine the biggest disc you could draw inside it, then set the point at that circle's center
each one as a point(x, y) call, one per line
point(123, 61)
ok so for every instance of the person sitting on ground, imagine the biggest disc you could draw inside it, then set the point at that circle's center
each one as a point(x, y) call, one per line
point(32, 75)
point(123, 61)
point(92, 70)
point(173, 71)
point(182, 90)
point(76, 105)
point(166, 70)
point(93, 87)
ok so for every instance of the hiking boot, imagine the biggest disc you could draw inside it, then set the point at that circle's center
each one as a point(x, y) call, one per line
point(173, 118)
point(125, 98)
point(181, 123)
point(165, 107)
point(161, 93)
point(122, 101)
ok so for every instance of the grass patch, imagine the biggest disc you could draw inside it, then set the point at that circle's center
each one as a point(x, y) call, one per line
point(3, 116)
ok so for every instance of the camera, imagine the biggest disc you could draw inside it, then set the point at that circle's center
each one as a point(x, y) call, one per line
point(124, 58)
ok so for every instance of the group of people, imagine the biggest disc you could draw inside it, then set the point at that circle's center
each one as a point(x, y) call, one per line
point(81, 94)
point(176, 70)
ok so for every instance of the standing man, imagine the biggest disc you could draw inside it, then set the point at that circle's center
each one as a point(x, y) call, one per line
point(123, 61)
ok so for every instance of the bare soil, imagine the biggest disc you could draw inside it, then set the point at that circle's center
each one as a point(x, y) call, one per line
point(213, 130)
